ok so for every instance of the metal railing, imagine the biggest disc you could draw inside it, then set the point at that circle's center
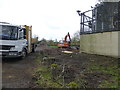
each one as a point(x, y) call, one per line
point(104, 17)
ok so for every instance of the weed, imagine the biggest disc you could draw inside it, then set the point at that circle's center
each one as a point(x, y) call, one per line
point(54, 65)
point(45, 80)
point(72, 85)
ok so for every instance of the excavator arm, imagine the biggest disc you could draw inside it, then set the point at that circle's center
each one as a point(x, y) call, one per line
point(68, 35)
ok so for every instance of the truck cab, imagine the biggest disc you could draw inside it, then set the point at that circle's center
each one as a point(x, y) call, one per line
point(13, 41)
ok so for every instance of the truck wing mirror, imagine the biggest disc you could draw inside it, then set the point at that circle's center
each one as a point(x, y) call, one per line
point(20, 29)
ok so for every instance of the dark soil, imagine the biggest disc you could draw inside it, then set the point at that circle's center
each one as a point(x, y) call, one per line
point(88, 71)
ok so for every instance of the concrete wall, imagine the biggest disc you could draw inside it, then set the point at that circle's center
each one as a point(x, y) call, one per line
point(100, 43)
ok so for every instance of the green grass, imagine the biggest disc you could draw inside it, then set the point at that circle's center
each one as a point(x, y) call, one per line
point(53, 46)
point(109, 70)
point(45, 78)
point(113, 70)
point(108, 84)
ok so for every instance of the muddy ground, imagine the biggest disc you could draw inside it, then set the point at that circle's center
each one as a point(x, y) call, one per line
point(83, 70)
point(17, 73)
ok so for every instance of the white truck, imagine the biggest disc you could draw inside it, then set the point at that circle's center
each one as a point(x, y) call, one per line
point(15, 40)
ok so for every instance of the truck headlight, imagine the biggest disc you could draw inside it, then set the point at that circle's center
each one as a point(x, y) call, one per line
point(12, 48)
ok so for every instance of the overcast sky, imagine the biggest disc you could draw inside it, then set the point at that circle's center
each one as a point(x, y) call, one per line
point(51, 19)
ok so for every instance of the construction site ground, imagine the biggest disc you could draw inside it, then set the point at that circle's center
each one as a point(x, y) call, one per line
point(52, 67)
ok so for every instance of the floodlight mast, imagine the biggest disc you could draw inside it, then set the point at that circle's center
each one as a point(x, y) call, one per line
point(80, 14)
point(78, 11)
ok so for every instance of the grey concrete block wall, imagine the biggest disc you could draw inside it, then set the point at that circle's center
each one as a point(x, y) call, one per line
point(106, 43)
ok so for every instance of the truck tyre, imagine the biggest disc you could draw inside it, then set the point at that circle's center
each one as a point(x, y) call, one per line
point(24, 53)
point(33, 48)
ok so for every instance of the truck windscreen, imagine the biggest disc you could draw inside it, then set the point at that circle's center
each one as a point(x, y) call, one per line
point(8, 32)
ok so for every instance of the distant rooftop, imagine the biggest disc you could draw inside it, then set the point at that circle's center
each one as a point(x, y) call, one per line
point(8, 24)
point(4, 22)
point(108, 0)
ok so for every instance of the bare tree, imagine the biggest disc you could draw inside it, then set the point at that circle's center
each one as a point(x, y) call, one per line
point(76, 38)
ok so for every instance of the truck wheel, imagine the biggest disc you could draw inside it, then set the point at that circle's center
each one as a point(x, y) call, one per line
point(33, 48)
point(24, 53)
